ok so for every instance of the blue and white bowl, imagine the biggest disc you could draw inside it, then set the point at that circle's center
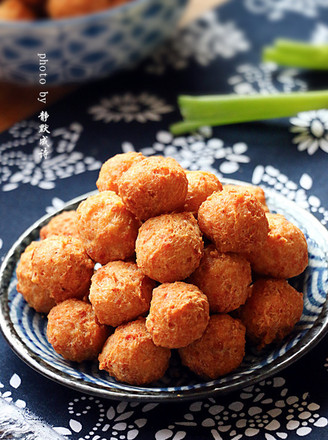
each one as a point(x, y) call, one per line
point(88, 47)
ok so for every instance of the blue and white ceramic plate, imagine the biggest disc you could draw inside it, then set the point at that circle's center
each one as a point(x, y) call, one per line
point(25, 330)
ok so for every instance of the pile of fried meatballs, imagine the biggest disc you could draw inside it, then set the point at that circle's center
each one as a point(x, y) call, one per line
point(53, 9)
point(163, 259)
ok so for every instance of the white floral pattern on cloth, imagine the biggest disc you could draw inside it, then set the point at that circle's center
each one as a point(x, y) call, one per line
point(8, 392)
point(121, 421)
point(128, 107)
point(311, 129)
point(269, 176)
point(320, 34)
point(203, 41)
point(197, 152)
point(265, 79)
point(267, 409)
point(278, 9)
point(18, 167)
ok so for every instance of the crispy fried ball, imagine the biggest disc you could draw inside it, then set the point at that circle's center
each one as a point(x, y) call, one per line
point(201, 184)
point(74, 332)
point(131, 356)
point(154, 186)
point(284, 253)
point(61, 265)
point(219, 351)
point(234, 220)
point(257, 191)
point(169, 247)
point(61, 224)
point(224, 278)
point(36, 296)
point(16, 10)
point(113, 169)
point(73, 8)
point(120, 292)
point(271, 311)
point(106, 227)
point(179, 314)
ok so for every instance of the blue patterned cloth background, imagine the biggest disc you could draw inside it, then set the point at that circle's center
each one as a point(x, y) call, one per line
point(219, 53)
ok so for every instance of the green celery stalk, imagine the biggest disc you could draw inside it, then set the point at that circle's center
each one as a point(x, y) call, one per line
point(212, 110)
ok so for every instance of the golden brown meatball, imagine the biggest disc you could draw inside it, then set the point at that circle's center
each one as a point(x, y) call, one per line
point(61, 224)
point(106, 227)
point(271, 311)
point(131, 356)
point(113, 169)
point(36, 296)
point(219, 351)
point(284, 253)
point(154, 186)
point(179, 314)
point(224, 278)
point(73, 8)
point(16, 10)
point(235, 221)
point(201, 184)
point(61, 266)
point(169, 247)
point(74, 332)
point(257, 191)
point(120, 292)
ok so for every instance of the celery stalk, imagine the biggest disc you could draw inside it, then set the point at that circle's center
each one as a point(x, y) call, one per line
point(212, 110)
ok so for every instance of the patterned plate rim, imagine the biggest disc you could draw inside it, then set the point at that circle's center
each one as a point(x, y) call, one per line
point(127, 392)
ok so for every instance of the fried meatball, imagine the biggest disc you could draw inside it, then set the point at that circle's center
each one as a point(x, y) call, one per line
point(16, 10)
point(73, 8)
point(74, 332)
point(37, 297)
point(113, 169)
point(271, 312)
point(219, 351)
point(201, 184)
point(284, 254)
point(169, 247)
point(106, 227)
point(120, 292)
point(61, 224)
point(154, 186)
point(224, 278)
point(234, 220)
point(61, 265)
point(179, 314)
point(257, 191)
point(130, 355)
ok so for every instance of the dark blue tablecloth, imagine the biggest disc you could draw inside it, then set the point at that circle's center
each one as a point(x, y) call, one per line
point(219, 53)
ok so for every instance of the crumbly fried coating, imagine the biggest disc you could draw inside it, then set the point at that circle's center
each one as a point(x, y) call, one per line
point(113, 169)
point(61, 265)
point(284, 254)
point(73, 8)
point(219, 351)
point(120, 292)
point(16, 10)
point(36, 296)
point(74, 332)
point(131, 356)
point(234, 220)
point(179, 314)
point(61, 224)
point(169, 247)
point(106, 227)
point(154, 186)
point(225, 278)
point(271, 312)
point(201, 184)
point(257, 191)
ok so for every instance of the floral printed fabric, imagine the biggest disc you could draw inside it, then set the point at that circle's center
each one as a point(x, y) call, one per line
point(219, 53)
